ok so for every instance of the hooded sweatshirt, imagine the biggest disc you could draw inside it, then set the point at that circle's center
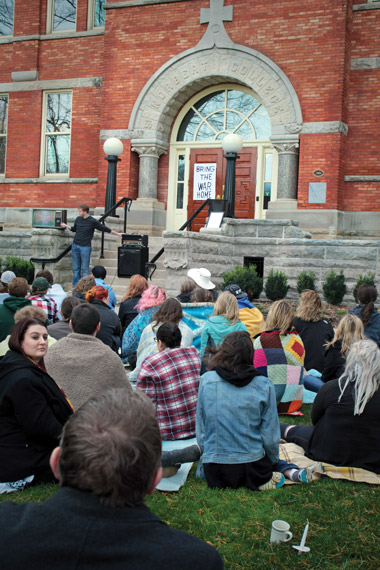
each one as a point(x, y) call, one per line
point(217, 327)
point(7, 313)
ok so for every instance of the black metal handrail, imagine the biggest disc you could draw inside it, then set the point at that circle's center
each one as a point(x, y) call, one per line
point(151, 267)
point(127, 206)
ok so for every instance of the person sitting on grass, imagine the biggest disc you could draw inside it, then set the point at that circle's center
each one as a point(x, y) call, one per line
point(83, 286)
point(128, 310)
point(169, 312)
point(366, 311)
point(108, 460)
point(171, 378)
point(62, 328)
point(349, 330)
point(279, 355)
point(249, 315)
point(345, 414)
point(237, 424)
point(32, 312)
point(150, 300)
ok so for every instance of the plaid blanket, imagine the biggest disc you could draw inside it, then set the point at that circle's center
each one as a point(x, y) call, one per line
point(293, 453)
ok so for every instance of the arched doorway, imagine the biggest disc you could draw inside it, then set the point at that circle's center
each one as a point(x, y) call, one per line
point(197, 139)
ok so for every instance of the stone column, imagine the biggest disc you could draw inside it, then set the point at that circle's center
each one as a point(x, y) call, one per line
point(286, 202)
point(148, 169)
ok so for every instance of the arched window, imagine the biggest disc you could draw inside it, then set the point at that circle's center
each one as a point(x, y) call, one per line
point(222, 112)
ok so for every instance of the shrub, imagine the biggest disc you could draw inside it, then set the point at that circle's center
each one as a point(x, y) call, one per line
point(306, 280)
point(368, 279)
point(334, 288)
point(246, 278)
point(276, 286)
point(21, 267)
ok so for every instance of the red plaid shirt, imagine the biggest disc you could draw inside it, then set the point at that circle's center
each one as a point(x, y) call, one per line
point(47, 304)
point(171, 379)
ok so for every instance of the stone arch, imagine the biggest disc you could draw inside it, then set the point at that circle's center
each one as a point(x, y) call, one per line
point(190, 72)
point(186, 74)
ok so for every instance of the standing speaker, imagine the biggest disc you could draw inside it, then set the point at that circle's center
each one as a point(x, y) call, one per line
point(131, 260)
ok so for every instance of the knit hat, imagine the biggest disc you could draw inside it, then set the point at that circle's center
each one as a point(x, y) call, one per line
point(40, 284)
point(7, 276)
point(201, 276)
point(235, 290)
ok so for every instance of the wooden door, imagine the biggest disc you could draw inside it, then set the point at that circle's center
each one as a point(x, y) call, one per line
point(205, 156)
point(245, 186)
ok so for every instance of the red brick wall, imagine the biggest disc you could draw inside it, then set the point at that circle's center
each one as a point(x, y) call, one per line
point(312, 42)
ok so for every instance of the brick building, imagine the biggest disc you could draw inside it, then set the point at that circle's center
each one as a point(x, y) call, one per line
point(298, 80)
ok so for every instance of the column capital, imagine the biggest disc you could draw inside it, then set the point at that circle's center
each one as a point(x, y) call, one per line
point(152, 150)
point(285, 144)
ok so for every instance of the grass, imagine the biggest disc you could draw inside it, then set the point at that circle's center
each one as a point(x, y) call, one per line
point(344, 519)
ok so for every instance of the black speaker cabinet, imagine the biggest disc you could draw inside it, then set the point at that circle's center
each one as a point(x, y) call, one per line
point(131, 260)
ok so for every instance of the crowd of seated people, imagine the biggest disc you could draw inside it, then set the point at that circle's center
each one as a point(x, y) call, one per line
point(204, 359)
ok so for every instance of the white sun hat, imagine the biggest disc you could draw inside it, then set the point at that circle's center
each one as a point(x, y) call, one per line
point(201, 277)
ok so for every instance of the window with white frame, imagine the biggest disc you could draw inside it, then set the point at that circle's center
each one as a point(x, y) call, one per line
point(96, 14)
point(6, 17)
point(3, 130)
point(56, 133)
point(61, 16)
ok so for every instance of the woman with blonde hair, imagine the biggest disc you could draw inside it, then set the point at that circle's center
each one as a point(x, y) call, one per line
point(349, 330)
point(314, 330)
point(345, 414)
point(150, 300)
point(110, 326)
point(128, 305)
point(279, 355)
point(223, 321)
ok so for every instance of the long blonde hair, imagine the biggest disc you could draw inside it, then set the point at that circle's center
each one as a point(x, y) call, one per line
point(309, 307)
point(362, 370)
point(349, 330)
point(227, 306)
point(280, 316)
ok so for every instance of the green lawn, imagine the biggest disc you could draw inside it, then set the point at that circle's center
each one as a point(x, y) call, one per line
point(344, 521)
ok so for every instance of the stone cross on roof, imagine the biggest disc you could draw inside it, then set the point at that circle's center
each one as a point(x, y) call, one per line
point(214, 16)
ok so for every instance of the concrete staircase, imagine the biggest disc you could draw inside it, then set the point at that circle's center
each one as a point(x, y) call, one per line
point(120, 284)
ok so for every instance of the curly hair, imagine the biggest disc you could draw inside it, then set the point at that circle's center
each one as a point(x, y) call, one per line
point(84, 284)
point(309, 307)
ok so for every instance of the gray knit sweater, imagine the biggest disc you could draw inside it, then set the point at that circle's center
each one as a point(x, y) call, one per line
point(83, 366)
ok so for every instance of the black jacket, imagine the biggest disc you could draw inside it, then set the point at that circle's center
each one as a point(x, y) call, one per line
point(110, 326)
point(33, 411)
point(127, 311)
point(314, 336)
point(72, 530)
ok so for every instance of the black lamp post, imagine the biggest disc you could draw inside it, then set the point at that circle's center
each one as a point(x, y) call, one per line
point(112, 148)
point(232, 144)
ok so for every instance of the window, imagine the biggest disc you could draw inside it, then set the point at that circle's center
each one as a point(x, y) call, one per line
point(3, 130)
point(6, 17)
point(96, 14)
point(223, 112)
point(56, 132)
point(61, 16)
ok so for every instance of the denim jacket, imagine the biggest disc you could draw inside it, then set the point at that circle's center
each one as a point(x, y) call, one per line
point(237, 425)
